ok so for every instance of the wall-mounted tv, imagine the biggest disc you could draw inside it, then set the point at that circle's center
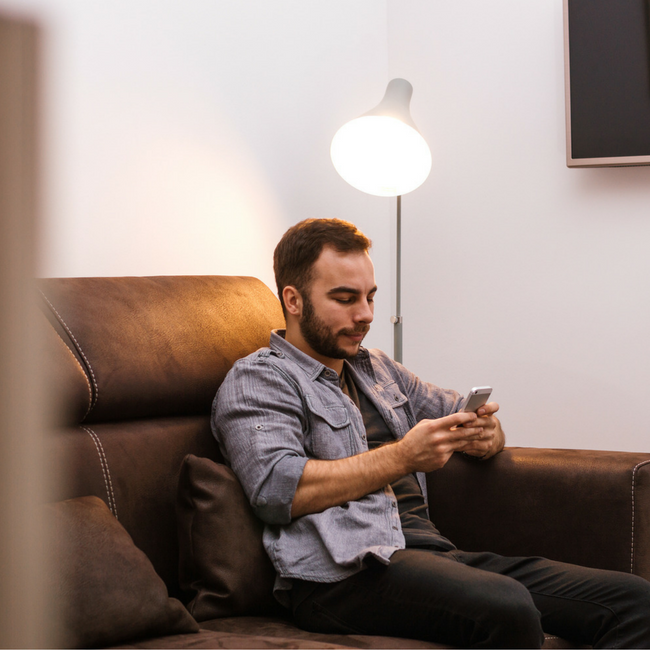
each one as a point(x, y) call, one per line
point(607, 82)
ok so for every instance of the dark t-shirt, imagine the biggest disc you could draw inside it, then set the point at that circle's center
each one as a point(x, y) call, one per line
point(416, 525)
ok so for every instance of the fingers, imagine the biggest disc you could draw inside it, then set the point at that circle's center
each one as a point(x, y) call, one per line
point(430, 443)
point(488, 409)
point(486, 415)
point(459, 419)
point(479, 448)
point(464, 436)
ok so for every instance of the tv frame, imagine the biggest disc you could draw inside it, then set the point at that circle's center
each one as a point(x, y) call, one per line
point(616, 161)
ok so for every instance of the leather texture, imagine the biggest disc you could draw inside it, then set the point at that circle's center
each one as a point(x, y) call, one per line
point(159, 346)
point(134, 466)
point(70, 389)
point(223, 566)
point(586, 507)
point(268, 632)
point(105, 589)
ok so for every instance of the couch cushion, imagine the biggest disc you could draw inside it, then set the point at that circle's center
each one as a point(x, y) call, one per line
point(269, 628)
point(158, 346)
point(208, 639)
point(133, 466)
point(265, 632)
point(104, 588)
point(223, 566)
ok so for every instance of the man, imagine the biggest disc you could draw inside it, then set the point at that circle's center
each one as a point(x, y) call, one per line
point(331, 441)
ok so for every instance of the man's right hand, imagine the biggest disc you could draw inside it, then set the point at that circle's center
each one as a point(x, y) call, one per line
point(430, 443)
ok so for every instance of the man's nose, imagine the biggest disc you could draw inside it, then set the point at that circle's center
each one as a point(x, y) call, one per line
point(365, 313)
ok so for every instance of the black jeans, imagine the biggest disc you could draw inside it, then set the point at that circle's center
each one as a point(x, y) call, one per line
point(480, 600)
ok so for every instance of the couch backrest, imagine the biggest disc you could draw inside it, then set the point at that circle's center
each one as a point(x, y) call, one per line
point(136, 363)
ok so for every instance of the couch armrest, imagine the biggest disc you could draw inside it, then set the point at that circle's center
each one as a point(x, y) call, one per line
point(586, 507)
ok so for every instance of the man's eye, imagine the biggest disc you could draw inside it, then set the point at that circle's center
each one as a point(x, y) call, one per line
point(344, 301)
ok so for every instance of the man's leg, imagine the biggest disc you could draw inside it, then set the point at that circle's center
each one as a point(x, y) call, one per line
point(604, 609)
point(426, 595)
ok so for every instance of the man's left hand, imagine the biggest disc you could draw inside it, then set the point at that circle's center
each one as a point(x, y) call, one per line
point(492, 439)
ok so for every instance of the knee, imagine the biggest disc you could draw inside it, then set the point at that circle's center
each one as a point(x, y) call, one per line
point(638, 595)
point(642, 587)
point(630, 625)
point(513, 619)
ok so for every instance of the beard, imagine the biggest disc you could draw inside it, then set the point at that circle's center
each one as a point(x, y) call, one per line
point(322, 338)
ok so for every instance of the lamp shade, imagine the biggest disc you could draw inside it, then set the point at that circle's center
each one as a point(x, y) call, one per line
point(382, 152)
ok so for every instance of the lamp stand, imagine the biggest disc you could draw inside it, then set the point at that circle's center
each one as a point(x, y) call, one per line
point(397, 318)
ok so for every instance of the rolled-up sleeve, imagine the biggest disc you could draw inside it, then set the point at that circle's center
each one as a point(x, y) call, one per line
point(258, 421)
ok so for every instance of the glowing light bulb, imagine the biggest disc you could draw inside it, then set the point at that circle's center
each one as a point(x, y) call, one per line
point(382, 152)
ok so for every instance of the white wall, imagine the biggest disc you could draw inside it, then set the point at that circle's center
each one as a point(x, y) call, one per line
point(521, 273)
point(185, 137)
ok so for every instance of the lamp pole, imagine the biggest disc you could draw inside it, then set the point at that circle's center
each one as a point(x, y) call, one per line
point(397, 318)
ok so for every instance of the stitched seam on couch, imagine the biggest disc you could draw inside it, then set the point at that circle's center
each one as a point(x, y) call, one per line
point(634, 472)
point(85, 374)
point(108, 483)
point(81, 352)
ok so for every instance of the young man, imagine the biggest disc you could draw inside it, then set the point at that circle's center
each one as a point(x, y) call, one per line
point(331, 441)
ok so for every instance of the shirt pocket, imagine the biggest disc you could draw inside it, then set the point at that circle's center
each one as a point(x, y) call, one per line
point(398, 407)
point(328, 437)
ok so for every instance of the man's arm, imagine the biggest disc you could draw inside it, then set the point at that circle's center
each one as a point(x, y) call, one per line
point(426, 447)
point(257, 421)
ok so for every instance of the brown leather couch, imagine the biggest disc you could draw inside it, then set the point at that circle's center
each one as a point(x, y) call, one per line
point(144, 515)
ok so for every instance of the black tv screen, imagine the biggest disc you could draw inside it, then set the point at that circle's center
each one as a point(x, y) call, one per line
point(607, 81)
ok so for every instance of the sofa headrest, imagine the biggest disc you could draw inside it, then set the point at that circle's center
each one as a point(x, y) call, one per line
point(154, 346)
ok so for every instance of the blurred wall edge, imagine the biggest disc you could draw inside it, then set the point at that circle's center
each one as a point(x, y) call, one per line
point(22, 622)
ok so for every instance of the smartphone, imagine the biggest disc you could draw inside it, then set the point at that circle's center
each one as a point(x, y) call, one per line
point(475, 398)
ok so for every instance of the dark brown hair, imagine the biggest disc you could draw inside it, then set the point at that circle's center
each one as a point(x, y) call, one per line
point(302, 244)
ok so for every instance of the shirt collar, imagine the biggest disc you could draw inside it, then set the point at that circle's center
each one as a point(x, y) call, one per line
point(312, 368)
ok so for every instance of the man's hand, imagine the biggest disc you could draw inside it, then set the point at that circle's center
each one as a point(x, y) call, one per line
point(430, 443)
point(426, 447)
point(492, 441)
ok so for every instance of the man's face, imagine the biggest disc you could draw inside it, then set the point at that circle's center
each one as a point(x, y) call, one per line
point(339, 305)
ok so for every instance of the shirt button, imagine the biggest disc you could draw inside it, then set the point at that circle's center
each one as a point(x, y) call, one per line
point(393, 504)
point(259, 426)
point(396, 398)
point(363, 437)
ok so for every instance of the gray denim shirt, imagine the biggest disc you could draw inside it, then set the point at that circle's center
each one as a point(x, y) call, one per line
point(276, 409)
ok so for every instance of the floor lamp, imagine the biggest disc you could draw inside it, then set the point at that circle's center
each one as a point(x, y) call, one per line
point(383, 153)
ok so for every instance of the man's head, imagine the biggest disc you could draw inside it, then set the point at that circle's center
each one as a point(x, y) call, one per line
point(300, 247)
point(326, 284)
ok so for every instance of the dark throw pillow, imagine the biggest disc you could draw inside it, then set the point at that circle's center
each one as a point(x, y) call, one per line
point(104, 589)
point(223, 568)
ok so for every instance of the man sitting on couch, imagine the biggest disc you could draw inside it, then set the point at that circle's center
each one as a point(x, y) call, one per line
point(331, 442)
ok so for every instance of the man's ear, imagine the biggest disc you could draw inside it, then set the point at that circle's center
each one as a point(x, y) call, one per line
point(292, 300)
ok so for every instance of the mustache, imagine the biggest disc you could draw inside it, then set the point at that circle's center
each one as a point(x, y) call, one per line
point(360, 329)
